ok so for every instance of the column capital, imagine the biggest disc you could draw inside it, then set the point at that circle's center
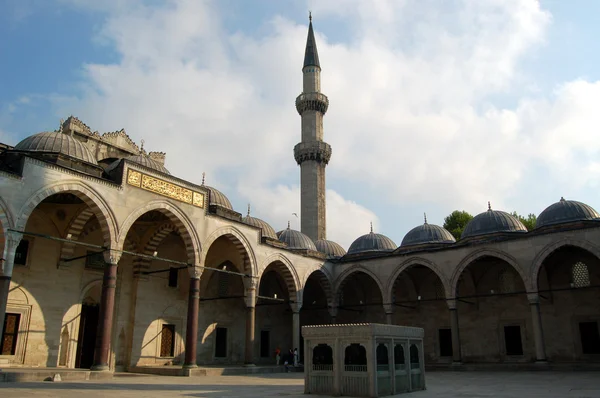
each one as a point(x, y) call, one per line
point(250, 283)
point(451, 304)
point(195, 271)
point(333, 310)
point(533, 298)
point(250, 298)
point(296, 307)
point(112, 256)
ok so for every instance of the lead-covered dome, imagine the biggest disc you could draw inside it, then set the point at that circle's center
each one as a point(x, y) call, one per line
point(59, 143)
point(266, 230)
point(330, 248)
point(147, 161)
point(565, 211)
point(427, 234)
point(296, 240)
point(492, 221)
point(372, 242)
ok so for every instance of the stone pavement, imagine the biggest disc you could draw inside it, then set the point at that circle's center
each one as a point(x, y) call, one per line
point(439, 384)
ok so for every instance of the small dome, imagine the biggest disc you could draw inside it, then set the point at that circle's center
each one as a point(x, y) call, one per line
point(57, 142)
point(147, 161)
point(330, 248)
point(266, 230)
point(492, 221)
point(218, 198)
point(296, 239)
point(565, 211)
point(427, 234)
point(372, 242)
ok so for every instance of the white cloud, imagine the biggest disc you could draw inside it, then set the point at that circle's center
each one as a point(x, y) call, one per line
point(410, 117)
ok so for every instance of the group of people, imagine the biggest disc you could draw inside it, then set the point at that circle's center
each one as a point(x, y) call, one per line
point(288, 359)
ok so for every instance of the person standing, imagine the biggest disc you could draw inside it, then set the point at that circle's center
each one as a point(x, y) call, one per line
point(277, 355)
point(296, 359)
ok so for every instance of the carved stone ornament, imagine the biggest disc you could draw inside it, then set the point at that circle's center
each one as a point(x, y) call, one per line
point(112, 256)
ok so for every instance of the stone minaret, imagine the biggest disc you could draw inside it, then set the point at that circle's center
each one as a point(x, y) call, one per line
point(312, 154)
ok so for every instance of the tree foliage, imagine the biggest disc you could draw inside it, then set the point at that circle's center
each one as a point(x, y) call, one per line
point(456, 222)
point(528, 221)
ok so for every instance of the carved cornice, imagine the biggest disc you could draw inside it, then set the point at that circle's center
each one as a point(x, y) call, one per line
point(312, 102)
point(318, 151)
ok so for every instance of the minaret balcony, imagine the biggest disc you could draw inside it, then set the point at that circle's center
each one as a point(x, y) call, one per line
point(312, 102)
point(318, 151)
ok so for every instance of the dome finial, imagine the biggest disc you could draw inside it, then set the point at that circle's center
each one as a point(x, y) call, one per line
point(562, 199)
point(489, 206)
point(371, 226)
point(142, 147)
point(203, 177)
point(288, 224)
point(309, 16)
point(425, 216)
point(248, 209)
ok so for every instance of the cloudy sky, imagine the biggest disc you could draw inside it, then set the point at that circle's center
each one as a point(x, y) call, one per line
point(435, 105)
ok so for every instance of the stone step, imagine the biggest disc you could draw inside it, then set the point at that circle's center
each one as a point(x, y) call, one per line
point(50, 374)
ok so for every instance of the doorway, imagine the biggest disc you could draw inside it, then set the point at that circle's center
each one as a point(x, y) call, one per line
point(512, 340)
point(88, 326)
point(445, 337)
point(265, 344)
point(221, 343)
point(590, 337)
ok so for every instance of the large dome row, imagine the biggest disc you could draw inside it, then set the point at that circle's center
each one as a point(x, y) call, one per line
point(486, 223)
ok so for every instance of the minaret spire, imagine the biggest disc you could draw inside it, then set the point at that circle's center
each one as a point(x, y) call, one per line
point(312, 154)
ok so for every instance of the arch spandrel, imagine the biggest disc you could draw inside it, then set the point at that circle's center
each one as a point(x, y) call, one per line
point(411, 262)
point(240, 242)
point(478, 254)
point(343, 277)
point(289, 274)
point(180, 220)
point(84, 192)
point(550, 248)
point(325, 280)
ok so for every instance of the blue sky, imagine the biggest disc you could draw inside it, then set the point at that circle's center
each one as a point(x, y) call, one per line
point(434, 107)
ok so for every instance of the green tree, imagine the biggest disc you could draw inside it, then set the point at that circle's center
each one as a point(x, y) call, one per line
point(456, 222)
point(528, 221)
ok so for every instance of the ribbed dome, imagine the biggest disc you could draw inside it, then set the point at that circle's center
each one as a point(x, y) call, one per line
point(296, 239)
point(57, 142)
point(565, 211)
point(330, 248)
point(372, 242)
point(266, 230)
point(147, 161)
point(427, 234)
point(218, 198)
point(492, 221)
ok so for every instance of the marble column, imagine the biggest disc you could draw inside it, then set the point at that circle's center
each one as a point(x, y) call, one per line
point(191, 332)
point(8, 259)
point(456, 350)
point(250, 299)
point(333, 312)
point(538, 331)
point(296, 331)
point(106, 313)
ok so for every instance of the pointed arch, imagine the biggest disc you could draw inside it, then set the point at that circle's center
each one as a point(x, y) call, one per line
point(242, 245)
point(343, 278)
point(75, 229)
point(539, 259)
point(286, 269)
point(150, 246)
point(325, 280)
point(476, 255)
point(87, 194)
point(6, 222)
point(178, 218)
point(407, 264)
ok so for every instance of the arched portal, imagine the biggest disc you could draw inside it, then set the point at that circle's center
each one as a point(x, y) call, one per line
point(316, 302)
point(418, 298)
point(222, 318)
point(150, 326)
point(493, 311)
point(360, 298)
point(277, 299)
point(568, 280)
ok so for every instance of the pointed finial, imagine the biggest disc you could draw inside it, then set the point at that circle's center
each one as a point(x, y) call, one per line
point(142, 147)
point(309, 16)
point(248, 209)
point(371, 226)
point(203, 177)
point(288, 224)
point(425, 215)
point(562, 199)
point(489, 206)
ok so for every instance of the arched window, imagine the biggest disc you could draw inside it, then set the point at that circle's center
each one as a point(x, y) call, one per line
point(382, 357)
point(322, 357)
point(414, 355)
point(224, 283)
point(355, 358)
point(507, 281)
point(580, 275)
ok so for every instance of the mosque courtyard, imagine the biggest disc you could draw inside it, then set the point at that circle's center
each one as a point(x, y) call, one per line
point(500, 384)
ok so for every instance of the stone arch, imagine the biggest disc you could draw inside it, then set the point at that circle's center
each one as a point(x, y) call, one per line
point(405, 265)
point(351, 270)
point(75, 230)
point(150, 246)
point(286, 269)
point(84, 192)
point(539, 259)
point(325, 281)
point(485, 253)
point(241, 244)
point(6, 222)
point(178, 218)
